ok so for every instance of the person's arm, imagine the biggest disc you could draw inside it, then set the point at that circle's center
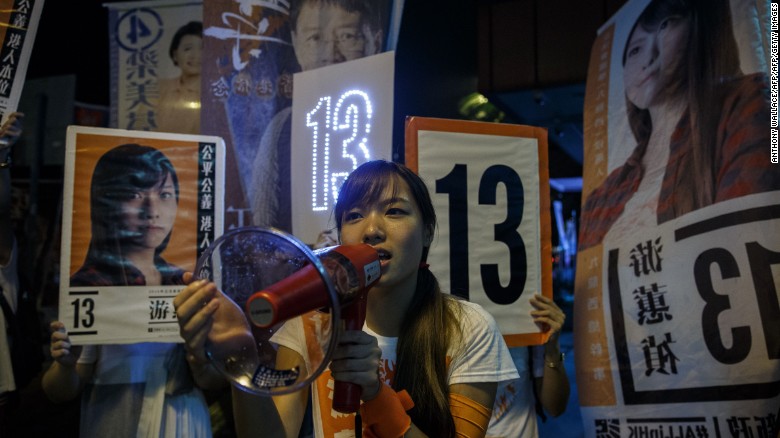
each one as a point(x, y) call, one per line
point(472, 415)
point(384, 412)
point(471, 406)
point(65, 378)
point(280, 416)
point(196, 306)
point(741, 149)
point(553, 387)
point(203, 312)
point(9, 133)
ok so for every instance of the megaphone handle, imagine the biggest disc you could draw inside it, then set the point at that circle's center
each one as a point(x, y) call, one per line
point(346, 395)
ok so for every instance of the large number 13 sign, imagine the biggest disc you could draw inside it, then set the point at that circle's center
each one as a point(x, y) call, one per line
point(489, 185)
point(455, 186)
point(347, 125)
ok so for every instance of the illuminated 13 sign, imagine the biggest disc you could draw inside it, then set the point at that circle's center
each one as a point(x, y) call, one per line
point(345, 125)
point(342, 116)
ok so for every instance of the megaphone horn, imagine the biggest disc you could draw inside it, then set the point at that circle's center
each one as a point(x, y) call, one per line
point(353, 269)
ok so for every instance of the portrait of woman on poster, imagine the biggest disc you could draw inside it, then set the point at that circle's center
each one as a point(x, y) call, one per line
point(134, 197)
point(178, 109)
point(699, 122)
point(141, 389)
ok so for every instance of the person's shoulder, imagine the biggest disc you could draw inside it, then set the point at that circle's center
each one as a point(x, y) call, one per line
point(744, 109)
point(753, 81)
point(168, 82)
point(168, 88)
point(480, 354)
point(472, 315)
point(89, 275)
point(467, 306)
point(750, 90)
point(171, 274)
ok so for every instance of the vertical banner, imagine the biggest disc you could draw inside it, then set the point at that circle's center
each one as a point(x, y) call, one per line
point(342, 117)
point(18, 25)
point(489, 184)
point(251, 52)
point(139, 208)
point(155, 57)
point(677, 321)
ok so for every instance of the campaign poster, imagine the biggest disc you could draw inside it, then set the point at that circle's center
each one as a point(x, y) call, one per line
point(139, 209)
point(155, 59)
point(489, 184)
point(676, 319)
point(18, 25)
point(252, 50)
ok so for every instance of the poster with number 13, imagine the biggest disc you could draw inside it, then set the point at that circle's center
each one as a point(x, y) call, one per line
point(490, 186)
point(139, 208)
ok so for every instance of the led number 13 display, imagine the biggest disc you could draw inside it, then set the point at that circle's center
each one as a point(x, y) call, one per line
point(345, 126)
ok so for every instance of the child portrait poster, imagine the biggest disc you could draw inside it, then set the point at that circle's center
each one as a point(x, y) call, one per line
point(115, 312)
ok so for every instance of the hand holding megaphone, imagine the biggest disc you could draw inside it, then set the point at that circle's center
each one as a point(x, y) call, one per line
point(205, 315)
point(353, 269)
point(269, 278)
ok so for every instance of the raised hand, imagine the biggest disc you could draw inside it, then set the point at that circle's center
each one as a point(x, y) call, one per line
point(547, 315)
point(195, 306)
point(62, 351)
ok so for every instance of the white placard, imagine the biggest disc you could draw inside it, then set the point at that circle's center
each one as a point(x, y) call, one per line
point(17, 34)
point(491, 202)
point(104, 298)
point(696, 299)
point(342, 117)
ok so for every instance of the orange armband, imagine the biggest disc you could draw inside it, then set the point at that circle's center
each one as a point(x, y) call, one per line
point(471, 418)
point(385, 415)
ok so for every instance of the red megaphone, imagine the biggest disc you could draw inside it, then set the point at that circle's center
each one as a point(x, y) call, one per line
point(353, 269)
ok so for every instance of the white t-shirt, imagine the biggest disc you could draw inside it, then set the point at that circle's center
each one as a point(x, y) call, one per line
point(514, 412)
point(127, 394)
point(482, 357)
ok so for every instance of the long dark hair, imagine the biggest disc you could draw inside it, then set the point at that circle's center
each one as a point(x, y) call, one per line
point(712, 58)
point(428, 330)
point(126, 166)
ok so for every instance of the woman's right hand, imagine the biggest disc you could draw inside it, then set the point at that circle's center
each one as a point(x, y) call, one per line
point(195, 305)
point(356, 359)
point(11, 130)
point(62, 351)
point(206, 314)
